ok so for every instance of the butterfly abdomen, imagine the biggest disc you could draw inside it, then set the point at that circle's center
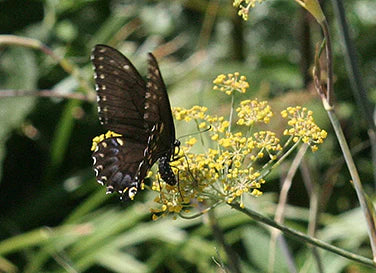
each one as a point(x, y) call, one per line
point(166, 172)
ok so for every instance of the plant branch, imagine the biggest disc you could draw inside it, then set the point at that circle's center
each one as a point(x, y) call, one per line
point(367, 207)
point(365, 203)
point(43, 93)
point(303, 237)
point(314, 211)
point(356, 81)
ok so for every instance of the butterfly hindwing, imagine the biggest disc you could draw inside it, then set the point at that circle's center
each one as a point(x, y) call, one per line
point(116, 163)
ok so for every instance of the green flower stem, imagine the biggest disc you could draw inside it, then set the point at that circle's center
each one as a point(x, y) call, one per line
point(279, 215)
point(288, 152)
point(231, 111)
point(329, 63)
point(355, 77)
point(266, 170)
point(313, 189)
point(196, 215)
point(198, 129)
point(367, 207)
point(303, 237)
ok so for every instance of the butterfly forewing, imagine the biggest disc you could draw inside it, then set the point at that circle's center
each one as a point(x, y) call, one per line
point(161, 143)
point(158, 111)
point(121, 93)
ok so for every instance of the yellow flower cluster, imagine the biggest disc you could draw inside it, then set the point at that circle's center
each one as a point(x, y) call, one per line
point(226, 164)
point(169, 197)
point(177, 199)
point(303, 126)
point(225, 171)
point(244, 6)
point(100, 138)
point(195, 113)
point(251, 111)
point(243, 185)
point(230, 83)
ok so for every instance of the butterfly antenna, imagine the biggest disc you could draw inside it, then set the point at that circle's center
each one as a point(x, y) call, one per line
point(159, 183)
point(199, 132)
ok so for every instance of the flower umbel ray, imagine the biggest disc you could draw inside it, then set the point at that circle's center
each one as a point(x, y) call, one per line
point(228, 164)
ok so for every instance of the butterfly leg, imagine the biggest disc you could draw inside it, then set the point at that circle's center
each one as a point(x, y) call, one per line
point(189, 171)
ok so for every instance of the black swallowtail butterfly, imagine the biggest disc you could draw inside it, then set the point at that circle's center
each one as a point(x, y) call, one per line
point(138, 117)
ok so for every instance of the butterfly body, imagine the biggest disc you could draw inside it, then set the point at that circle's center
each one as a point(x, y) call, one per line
point(138, 117)
point(165, 171)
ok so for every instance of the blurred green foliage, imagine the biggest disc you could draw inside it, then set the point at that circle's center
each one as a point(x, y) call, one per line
point(54, 217)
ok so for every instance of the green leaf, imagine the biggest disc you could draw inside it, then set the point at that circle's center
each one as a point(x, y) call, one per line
point(21, 73)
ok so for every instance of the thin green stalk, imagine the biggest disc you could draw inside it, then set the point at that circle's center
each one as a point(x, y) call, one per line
point(231, 111)
point(367, 207)
point(355, 77)
point(201, 137)
point(303, 237)
point(329, 63)
point(268, 170)
point(232, 258)
point(288, 152)
point(313, 214)
point(313, 193)
point(279, 215)
point(87, 206)
point(196, 215)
